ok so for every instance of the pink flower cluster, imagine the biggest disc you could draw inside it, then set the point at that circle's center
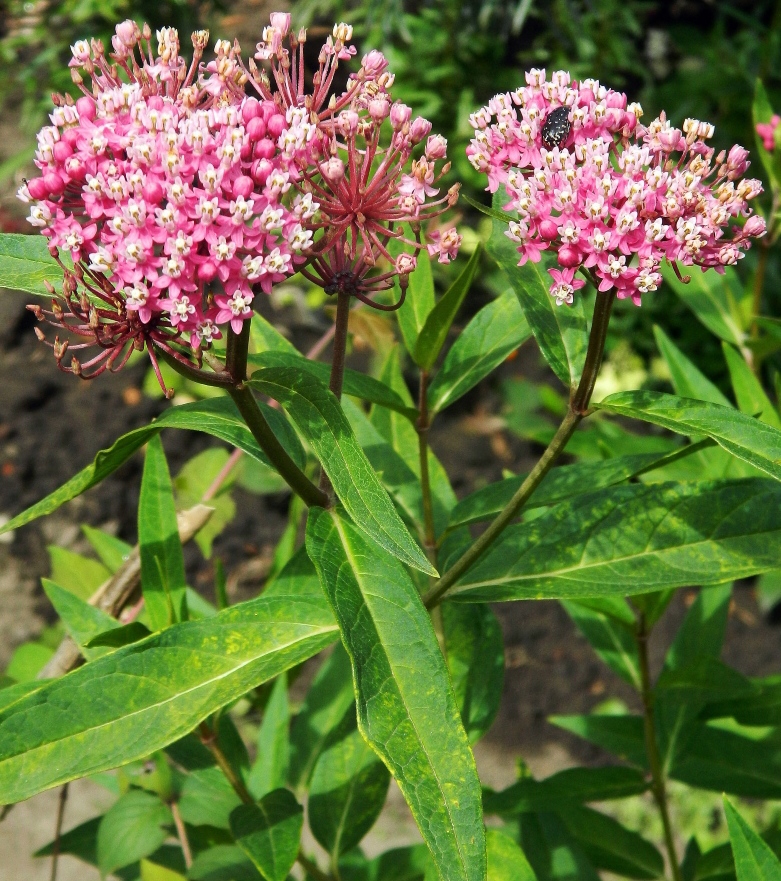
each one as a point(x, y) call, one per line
point(370, 193)
point(606, 193)
point(166, 185)
point(767, 132)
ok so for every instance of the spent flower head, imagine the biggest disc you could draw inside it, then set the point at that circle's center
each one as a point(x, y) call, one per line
point(166, 185)
point(607, 194)
point(372, 169)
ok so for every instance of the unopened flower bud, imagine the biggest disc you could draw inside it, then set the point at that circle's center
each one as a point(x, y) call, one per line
point(333, 169)
point(419, 129)
point(755, 226)
point(400, 115)
point(436, 147)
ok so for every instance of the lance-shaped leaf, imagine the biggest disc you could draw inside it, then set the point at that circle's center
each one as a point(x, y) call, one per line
point(612, 639)
point(138, 699)
point(82, 621)
point(420, 299)
point(754, 860)
point(496, 331)
point(328, 699)
point(739, 434)
point(25, 264)
point(633, 539)
point(561, 331)
point(506, 861)
point(316, 412)
point(434, 331)
point(348, 789)
point(162, 561)
point(748, 390)
point(217, 417)
point(474, 650)
point(557, 485)
point(270, 768)
point(357, 384)
point(406, 707)
point(573, 786)
point(269, 832)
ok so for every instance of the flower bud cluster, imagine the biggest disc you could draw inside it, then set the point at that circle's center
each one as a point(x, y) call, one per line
point(606, 193)
point(767, 132)
point(167, 186)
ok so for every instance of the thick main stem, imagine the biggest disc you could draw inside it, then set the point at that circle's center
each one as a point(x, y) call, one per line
point(658, 784)
point(422, 426)
point(338, 357)
point(578, 407)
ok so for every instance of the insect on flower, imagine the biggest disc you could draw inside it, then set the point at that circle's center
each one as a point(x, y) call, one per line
point(557, 128)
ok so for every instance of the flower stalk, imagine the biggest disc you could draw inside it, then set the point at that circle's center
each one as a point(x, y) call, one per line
point(577, 409)
point(658, 783)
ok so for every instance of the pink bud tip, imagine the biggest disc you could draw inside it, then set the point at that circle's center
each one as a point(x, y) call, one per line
point(256, 128)
point(62, 150)
point(71, 136)
point(268, 109)
point(37, 189)
point(276, 125)
point(250, 109)
point(54, 183)
point(548, 230)
point(153, 192)
point(207, 271)
point(261, 169)
point(264, 149)
point(86, 108)
point(569, 257)
point(243, 186)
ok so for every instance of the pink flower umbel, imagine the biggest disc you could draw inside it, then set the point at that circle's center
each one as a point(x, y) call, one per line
point(767, 132)
point(606, 193)
point(166, 185)
point(373, 170)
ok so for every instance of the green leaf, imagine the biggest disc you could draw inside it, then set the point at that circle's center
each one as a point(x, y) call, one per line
point(749, 393)
point(131, 829)
point(632, 539)
point(474, 651)
point(356, 384)
point(122, 634)
point(113, 552)
point(317, 413)
point(611, 639)
point(688, 381)
point(620, 735)
point(217, 417)
point(558, 485)
point(729, 761)
point(25, 264)
point(406, 707)
point(348, 789)
point(434, 332)
point(702, 632)
point(207, 799)
point(572, 786)
point(610, 846)
point(497, 330)
point(75, 573)
point(162, 561)
point(81, 620)
point(270, 769)
point(554, 854)
point(138, 699)
point(328, 699)
point(762, 111)
point(561, 331)
point(153, 872)
point(223, 862)
point(739, 434)
point(81, 842)
point(419, 301)
point(28, 660)
point(269, 832)
point(506, 861)
point(264, 337)
point(715, 300)
point(754, 860)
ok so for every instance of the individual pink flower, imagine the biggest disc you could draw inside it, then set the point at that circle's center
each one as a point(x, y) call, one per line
point(607, 194)
point(163, 182)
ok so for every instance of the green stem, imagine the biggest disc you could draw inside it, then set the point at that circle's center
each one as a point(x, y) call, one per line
point(422, 426)
point(312, 869)
point(209, 740)
point(202, 377)
point(578, 408)
point(658, 784)
point(338, 357)
point(277, 454)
